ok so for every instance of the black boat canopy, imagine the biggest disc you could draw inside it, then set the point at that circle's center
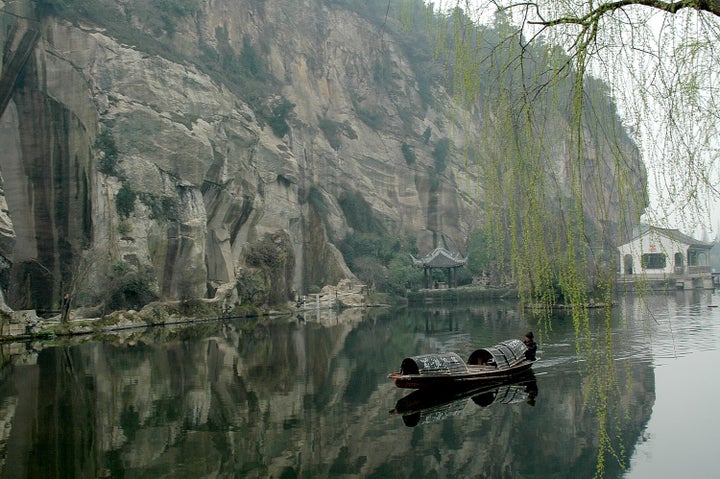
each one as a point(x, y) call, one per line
point(503, 355)
point(443, 363)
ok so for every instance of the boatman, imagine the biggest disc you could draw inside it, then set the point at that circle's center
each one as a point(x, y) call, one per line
point(531, 346)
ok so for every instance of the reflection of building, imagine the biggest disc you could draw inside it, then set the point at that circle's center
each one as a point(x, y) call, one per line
point(440, 258)
point(667, 256)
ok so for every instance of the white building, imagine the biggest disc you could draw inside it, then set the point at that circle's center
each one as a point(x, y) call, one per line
point(666, 255)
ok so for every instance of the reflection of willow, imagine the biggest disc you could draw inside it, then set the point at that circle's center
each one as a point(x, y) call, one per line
point(561, 177)
point(603, 392)
point(607, 386)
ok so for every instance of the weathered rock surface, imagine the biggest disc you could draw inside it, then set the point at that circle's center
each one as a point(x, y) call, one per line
point(210, 177)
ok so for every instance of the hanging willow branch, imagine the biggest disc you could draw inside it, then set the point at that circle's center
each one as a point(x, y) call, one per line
point(570, 56)
point(594, 15)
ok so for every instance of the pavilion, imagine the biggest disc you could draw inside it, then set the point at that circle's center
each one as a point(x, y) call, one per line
point(440, 258)
point(665, 256)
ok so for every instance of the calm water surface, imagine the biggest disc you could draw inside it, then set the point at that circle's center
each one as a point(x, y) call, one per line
point(627, 395)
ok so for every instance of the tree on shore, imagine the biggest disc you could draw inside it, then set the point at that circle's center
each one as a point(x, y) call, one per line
point(78, 275)
point(657, 60)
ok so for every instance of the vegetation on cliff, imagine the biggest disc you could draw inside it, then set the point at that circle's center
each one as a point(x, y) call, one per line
point(539, 215)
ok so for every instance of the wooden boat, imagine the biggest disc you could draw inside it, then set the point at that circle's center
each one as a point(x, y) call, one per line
point(443, 370)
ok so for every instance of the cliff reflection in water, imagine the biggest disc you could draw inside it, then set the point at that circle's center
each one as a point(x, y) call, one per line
point(296, 398)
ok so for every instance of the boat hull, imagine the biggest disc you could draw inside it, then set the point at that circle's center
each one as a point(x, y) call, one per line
point(457, 380)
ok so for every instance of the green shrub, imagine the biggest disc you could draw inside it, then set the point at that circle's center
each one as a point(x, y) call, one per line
point(124, 228)
point(381, 71)
point(279, 116)
point(177, 8)
point(426, 135)
point(129, 287)
point(372, 118)
point(479, 252)
point(382, 261)
point(434, 185)
point(125, 201)
point(402, 275)
point(251, 63)
point(358, 213)
point(264, 254)
point(331, 130)
point(108, 158)
point(408, 153)
point(440, 154)
point(162, 208)
point(408, 116)
point(316, 199)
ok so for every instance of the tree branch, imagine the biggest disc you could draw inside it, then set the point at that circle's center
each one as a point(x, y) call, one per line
point(710, 6)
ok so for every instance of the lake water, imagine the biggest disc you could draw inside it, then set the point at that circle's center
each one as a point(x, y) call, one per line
point(625, 395)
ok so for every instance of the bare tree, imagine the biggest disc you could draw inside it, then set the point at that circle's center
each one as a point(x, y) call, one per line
point(82, 267)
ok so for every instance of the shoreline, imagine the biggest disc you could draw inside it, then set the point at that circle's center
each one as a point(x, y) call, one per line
point(25, 325)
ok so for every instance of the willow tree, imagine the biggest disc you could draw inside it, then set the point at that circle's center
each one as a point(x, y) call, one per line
point(661, 59)
point(658, 61)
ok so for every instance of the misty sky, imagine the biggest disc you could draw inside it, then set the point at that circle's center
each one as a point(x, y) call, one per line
point(675, 128)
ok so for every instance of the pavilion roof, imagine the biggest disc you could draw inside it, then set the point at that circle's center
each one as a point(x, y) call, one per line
point(439, 258)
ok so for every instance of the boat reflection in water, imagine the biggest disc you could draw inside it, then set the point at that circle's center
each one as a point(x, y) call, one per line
point(426, 406)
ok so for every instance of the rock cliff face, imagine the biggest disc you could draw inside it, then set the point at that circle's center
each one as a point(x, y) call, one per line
point(118, 153)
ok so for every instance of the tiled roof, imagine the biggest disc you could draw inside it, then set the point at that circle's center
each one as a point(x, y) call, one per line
point(439, 258)
point(675, 235)
point(681, 237)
